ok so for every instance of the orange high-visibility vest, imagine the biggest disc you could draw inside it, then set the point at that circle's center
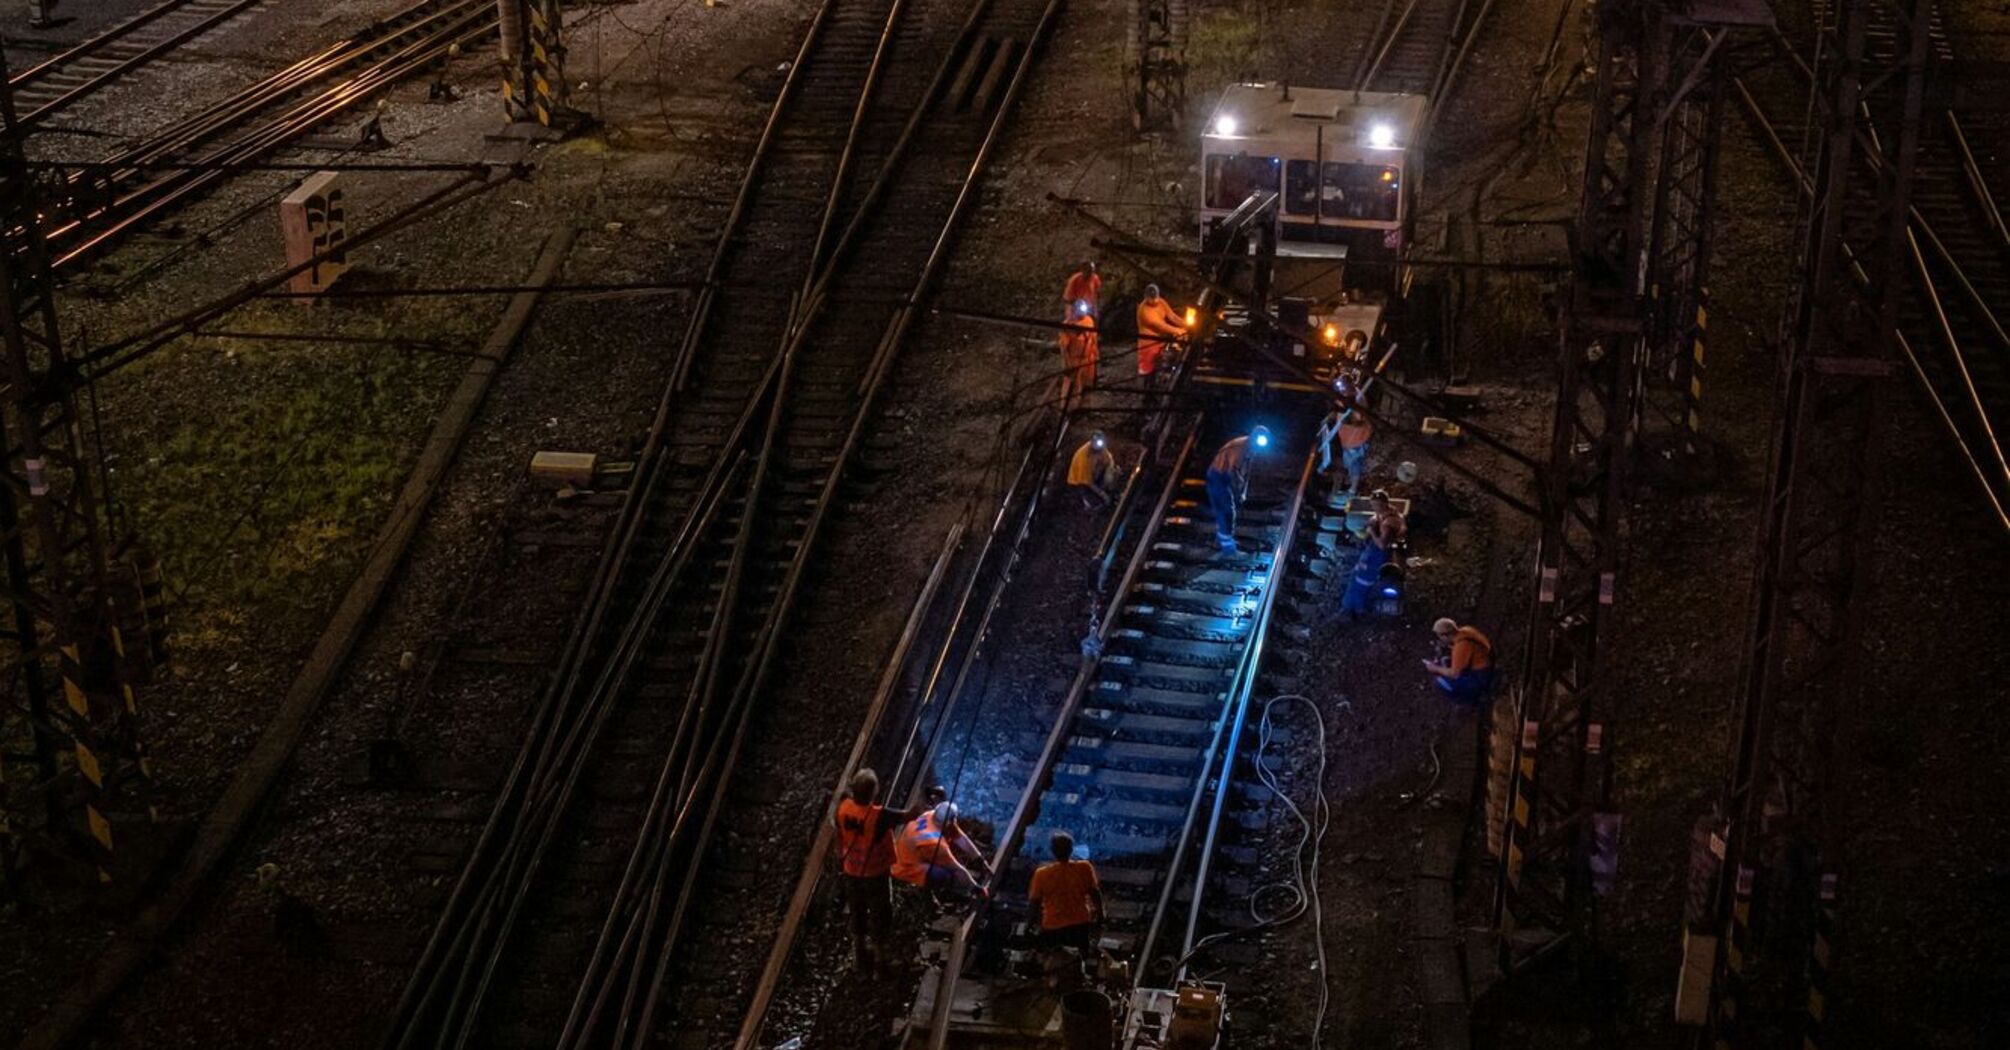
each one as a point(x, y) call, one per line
point(866, 853)
point(918, 847)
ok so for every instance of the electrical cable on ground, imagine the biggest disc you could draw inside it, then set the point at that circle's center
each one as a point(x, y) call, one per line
point(1301, 888)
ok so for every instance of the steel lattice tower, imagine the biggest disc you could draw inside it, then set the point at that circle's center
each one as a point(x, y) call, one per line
point(68, 606)
point(1776, 900)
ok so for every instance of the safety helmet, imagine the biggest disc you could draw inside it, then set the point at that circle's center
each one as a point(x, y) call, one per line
point(1097, 440)
point(1151, 291)
point(1260, 437)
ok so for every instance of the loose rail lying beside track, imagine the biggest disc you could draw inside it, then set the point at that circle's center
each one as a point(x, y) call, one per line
point(615, 803)
point(1139, 765)
point(61, 80)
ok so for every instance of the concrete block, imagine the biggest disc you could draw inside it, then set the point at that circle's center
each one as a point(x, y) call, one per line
point(312, 219)
point(564, 468)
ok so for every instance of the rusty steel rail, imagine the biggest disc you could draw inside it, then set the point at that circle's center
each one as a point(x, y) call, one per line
point(112, 46)
point(114, 198)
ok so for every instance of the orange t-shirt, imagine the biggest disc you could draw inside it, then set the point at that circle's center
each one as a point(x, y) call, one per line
point(1470, 649)
point(1062, 891)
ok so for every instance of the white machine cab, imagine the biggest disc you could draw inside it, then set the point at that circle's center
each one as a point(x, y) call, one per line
point(1340, 161)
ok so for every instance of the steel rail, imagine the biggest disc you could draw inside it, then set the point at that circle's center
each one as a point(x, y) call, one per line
point(754, 677)
point(145, 55)
point(974, 651)
point(1388, 44)
point(1051, 750)
point(1872, 155)
point(88, 45)
point(557, 752)
point(926, 697)
point(816, 280)
point(1237, 719)
point(811, 875)
point(628, 532)
point(230, 111)
point(1990, 486)
point(137, 205)
point(1770, 133)
point(1978, 185)
point(701, 308)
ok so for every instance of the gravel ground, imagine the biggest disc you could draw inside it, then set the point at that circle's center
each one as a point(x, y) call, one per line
point(200, 433)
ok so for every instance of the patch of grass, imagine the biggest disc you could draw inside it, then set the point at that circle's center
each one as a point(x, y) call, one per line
point(282, 476)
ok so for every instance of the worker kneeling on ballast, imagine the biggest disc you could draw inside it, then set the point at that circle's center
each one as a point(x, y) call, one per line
point(1465, 673)
point(931, 849)
point(1093, 472)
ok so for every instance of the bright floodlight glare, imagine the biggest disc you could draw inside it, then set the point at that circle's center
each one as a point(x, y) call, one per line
point(1381, 136)
point(1224, 125)
point(1191, 316)
point(1082, 307)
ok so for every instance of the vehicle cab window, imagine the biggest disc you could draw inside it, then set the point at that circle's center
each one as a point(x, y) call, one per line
point(1231, 179)
point(1370, 192)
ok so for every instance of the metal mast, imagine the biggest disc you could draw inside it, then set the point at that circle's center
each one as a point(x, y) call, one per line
point(70, 695)
point(1777, 897)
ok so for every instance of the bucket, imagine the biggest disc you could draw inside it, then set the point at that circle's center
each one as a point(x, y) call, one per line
point(1085, 1021)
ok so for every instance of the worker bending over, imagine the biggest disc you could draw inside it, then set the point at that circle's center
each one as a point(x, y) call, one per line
point(1067, 898)
point(1159, 329)
point(1093, 472)
point(932, 847)
point(1467, 675)
point(1350, 428)
point(1386, 529)
point(1079, 349)
point(1228, 482)
point(1084, 286)
point(865, 851)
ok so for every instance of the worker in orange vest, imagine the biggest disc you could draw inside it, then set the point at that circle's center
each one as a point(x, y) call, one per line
point(1093, 471)
point(1466, 676)
point(931, 848)
point(1079, 349)
point(865, 852)
point(1353, 433)
point(1084, 286)
point(1228, 482)
point(1067, 897)
point(1159, 329)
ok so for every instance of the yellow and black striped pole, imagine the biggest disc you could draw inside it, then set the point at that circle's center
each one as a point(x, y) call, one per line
point(1692, 391)
point(546, 68)
point(86, 755)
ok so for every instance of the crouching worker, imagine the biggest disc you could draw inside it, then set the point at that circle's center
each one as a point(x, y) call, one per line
point(931, 849)
point(1093, 472)
point(1467, 674)
point(865, 849)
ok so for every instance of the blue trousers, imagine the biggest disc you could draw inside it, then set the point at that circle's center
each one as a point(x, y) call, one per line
point(1221, 499)
point(1356, 461)
point(1470, 689)
point(1367, 576)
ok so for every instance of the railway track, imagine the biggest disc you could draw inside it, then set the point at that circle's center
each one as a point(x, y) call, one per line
point(139, 184)
point(613, 861)
point(1416, 45)
point(1132, 765)
point(54, 84)
point(1951, 332)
